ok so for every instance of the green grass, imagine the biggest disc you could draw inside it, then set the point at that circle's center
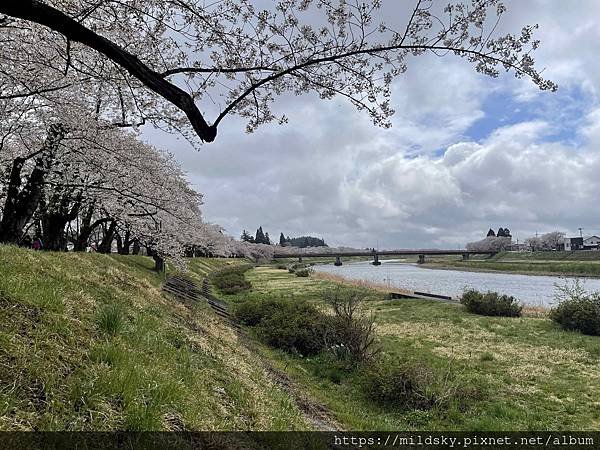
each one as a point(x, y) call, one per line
point(578, 263)
point(89, 342)
point(526, 372)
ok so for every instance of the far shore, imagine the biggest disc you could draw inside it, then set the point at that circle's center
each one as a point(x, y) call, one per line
point(442, 266)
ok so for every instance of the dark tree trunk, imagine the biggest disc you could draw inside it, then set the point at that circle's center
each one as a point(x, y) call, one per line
point(109, 235)
point(20, 204)
point(54, 236)
point(159, 263)
point(119, 243)
point(87, 228)
point(136, 247)
point(55, 221)
point(126, 245)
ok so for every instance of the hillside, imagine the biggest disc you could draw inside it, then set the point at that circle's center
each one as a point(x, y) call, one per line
point(89, 342)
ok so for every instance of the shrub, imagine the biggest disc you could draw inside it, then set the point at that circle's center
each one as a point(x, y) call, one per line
point(298, 326)
point(577, 310)
point(281, 266)
point(295, 326)
point(349, 327)
point(414, 384)
point(251, 312)
point(398, 385)
point(300, 329)
point(110, 319)
point(302, 273)
point(231, 280)
point(491, 304)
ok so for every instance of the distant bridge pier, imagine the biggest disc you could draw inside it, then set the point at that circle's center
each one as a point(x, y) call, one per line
point(421, 259)
point(376, 261)
point(338, 261)
point(466, 256)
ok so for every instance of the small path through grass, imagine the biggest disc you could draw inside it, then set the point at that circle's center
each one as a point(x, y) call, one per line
point(314, 413)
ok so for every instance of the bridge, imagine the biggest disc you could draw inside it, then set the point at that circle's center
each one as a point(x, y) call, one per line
point(375, 254)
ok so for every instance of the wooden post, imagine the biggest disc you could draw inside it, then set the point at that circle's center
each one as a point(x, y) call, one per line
point(338, 261)
point(421, 259)
point(376, 260)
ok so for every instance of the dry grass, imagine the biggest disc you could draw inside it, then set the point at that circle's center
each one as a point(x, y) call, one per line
point(380, 287)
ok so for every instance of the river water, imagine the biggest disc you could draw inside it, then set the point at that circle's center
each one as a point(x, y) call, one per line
point(532, 290)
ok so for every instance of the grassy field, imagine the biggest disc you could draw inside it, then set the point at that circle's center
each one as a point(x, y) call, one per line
point(579, 263)
point(526, 374)
point(89, 342)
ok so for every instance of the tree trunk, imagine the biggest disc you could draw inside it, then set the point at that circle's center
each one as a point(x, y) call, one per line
point(159, 263)
point(126, 243)
point(20, 204)
point(136, 247)
point(85, 230)
point(119, 243)
point(109, 235)
point(54, 222)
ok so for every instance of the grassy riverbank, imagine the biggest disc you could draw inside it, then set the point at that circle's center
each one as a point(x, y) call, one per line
point(523, 373)
point(89, 342)
point(579, 263)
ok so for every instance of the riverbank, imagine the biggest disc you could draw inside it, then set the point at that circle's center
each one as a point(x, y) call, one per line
point(570, 264)
point(525, 373)
point(89, 342)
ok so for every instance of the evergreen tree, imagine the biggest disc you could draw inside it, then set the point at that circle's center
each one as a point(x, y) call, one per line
point(267, 239)
point(507, 232)
point(491, 233)
point(246, 237)
point(260, 236)
point(500, 232)
point(282, 240)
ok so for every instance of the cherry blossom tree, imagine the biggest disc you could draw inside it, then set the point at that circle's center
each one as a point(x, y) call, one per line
point(176, 62)
point(491, 244)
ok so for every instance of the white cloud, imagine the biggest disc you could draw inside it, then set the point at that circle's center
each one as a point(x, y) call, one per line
point(424, 182)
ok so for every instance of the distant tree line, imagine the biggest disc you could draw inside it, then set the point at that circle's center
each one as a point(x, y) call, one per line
point(285, 241)
point(301, 242)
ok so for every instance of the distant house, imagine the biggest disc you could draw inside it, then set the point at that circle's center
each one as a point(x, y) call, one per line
point(591, 243)
point(575, 243)
point(579, 243)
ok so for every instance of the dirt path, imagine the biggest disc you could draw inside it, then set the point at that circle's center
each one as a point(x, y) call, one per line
point(314, 413)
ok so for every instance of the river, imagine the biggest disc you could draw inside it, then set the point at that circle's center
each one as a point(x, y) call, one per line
point(532, 290)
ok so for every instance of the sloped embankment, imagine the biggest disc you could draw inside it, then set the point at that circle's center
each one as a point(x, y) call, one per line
point(89, 342)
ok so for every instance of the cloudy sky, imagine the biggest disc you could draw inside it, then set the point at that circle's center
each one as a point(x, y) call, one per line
point(465, 152)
